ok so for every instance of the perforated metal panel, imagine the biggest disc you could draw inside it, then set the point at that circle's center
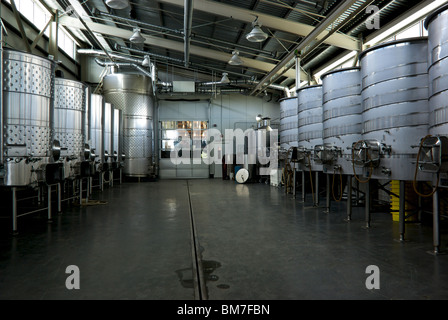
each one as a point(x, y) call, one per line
point(27, 99)
point(69, 116)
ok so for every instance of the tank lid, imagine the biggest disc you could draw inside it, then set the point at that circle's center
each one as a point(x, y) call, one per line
point(339, 70)
point(433, 15)
point(309, 87)
point(391, 43)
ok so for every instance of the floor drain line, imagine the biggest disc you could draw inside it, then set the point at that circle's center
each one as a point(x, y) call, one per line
point(198, 274)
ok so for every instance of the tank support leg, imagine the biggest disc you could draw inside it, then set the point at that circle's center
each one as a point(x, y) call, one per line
point(367, 204)
point(349, 198)
point(401, 213)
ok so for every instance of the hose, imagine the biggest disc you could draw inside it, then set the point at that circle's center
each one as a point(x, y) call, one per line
point(353, 164)
point(332, 186)
point(414, 183)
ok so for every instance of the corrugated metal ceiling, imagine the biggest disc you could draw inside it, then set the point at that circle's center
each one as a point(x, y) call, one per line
point(225, 33)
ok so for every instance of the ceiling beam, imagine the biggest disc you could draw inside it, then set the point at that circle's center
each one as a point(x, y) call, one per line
point(320, 28)
point(171, 44)
point(269, 21)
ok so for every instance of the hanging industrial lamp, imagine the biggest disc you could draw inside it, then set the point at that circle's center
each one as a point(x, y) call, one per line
point(235, 60)
point(146, 61)
point(136, 36)
point(225, 78)
point(256, 35)
point(117, 4)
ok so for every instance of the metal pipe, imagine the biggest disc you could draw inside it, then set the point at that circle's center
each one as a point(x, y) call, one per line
point(188, 20)
point(367, 204)
point(49, 202)
point(349, 198)
point(327, 191)
point(303, 186)
point(59, 198)
point(1, 92)
point(132, 21)
point(120, 47)
point(14, 210)
point(109, 55)
point(133, 65)
point(341, 8)
point(435, 227)
point(175, 31)
point(401, 213)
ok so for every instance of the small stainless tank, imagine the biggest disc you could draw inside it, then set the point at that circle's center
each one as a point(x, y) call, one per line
point(395, 105)
point(289, 122)
point(132, 94)
point(28, 97)
point(95, 128)
point(69, 126)
point(117, 155)
point(437, 25)
point(107, 132)
point(310, 125)
point(342, 116)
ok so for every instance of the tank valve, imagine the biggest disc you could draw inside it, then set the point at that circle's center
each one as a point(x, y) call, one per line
point(386, 149)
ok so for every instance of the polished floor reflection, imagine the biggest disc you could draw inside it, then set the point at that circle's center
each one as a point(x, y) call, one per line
point(255, 242)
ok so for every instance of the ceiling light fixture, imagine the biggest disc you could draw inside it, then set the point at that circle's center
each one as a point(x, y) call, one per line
point(256, 35)
point(146, 61)
point(117, 4)
point(225, 78)
point(235, 60)
point(136, 36)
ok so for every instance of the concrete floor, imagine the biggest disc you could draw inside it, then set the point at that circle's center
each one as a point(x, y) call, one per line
point(256, 243)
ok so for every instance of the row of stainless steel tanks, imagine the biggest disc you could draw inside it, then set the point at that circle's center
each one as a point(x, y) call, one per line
point(386, 119)
point(54, 131)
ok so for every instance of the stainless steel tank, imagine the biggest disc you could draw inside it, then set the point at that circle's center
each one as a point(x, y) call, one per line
point(437, 25)
point(28, 97)
point(342, 117)
point(395, 108)
point(95, 129)
point(107, 132)
point(310, 125)
point(69, 126)
point(289, 122)
point(117, 154)
point(132, 94)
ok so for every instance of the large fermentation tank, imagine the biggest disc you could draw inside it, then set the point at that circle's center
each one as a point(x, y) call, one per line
point(437, 25)
point(132, 94)
point(289, 122)
point(342, 117)
point(395, 108)
point(69, 126)
point(27, 97)
point(310, 125)
point(433, 149)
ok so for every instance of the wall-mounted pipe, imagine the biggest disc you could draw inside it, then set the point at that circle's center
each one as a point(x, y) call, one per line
point(118, 64)
point(136, 63)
